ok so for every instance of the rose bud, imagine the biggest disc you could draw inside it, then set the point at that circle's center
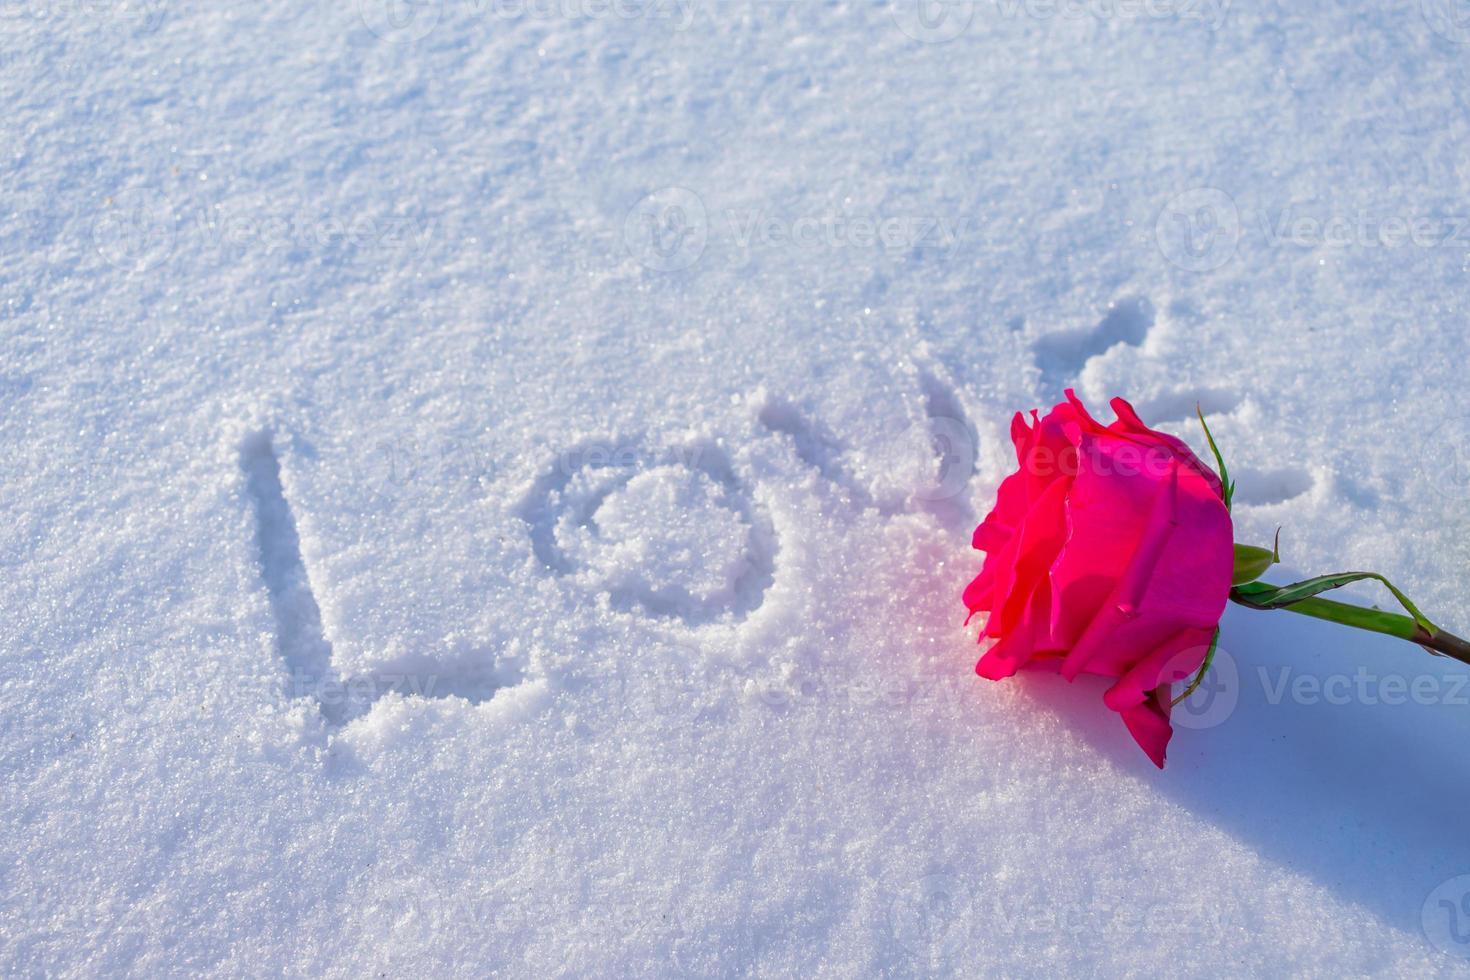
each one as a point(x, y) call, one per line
point(1109, 552)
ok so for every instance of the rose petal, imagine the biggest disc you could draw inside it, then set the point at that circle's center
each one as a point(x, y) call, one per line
point(1129, 422)
point(1148, 723)
point(1123, 600)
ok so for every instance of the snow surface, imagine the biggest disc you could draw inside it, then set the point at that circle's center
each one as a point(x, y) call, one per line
point(488, 483)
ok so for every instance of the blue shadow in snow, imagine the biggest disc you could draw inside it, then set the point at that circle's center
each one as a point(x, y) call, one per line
point(1326, 763)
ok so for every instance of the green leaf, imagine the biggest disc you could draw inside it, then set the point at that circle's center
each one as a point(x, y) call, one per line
point(1209, 658)
point(1263, 595)
point(1227, 487)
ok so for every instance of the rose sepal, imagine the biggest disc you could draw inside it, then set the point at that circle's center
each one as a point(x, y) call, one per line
point(1251, 562)
point(1227, 486)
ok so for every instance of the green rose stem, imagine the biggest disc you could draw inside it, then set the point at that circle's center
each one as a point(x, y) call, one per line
point(1424, 633)
point(1301, 597)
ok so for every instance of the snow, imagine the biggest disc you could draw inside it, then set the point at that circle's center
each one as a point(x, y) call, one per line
point(487, 485)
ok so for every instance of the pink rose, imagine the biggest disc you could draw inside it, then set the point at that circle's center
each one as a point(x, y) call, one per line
point(1109, 551)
